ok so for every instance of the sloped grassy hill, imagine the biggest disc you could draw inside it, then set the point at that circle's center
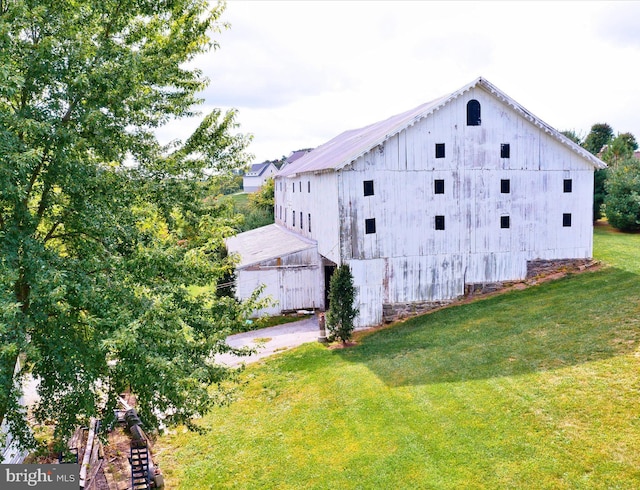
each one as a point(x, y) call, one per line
point(532, 389)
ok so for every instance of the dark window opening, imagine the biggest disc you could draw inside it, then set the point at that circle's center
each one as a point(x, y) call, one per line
point(438, 186)
point(505, 222)
point(568, 185)
point(439, 150)
point(308, 186)
point(293, 186)
point(505, 186)
point(439, 222)
point(294, 218)
point(566, 219)
point(473, 113)
point(301, 220)
point(505, 150)
point(300, 186)
point(370, 225)
point(309, 221)
point(368, 187)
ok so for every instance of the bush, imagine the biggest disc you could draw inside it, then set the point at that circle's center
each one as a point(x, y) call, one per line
point(341, 311)
point(622, 202)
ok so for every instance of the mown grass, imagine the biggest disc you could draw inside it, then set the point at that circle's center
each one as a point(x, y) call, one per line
point(531, 389)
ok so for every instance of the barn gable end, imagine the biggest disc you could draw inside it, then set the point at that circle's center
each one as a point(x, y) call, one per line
point(465, 190)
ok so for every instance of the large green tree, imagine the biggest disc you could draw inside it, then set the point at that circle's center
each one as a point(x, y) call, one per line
point(622, 202)
point(601, 141)
point(600, 135)
point(101, 227)
point(621, 148)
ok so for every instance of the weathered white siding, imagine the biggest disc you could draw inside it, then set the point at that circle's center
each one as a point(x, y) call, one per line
point(315, 196)
point(293, 281)
point(407, 259)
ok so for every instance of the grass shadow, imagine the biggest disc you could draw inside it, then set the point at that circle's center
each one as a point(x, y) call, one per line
point(578, 319)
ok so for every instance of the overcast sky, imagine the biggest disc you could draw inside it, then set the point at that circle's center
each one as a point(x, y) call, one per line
point(301, 72)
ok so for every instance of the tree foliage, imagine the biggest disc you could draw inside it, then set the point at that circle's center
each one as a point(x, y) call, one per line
point(258, 209)
point(600, 135)
point(572, 135)
point(101, 227)
point(601, 141)
point(622, 202)
point(621, 148)
point(264, 198)
point(599, 192)
point(341, 312)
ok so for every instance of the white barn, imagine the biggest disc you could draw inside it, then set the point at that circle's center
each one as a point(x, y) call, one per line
point(462, 191)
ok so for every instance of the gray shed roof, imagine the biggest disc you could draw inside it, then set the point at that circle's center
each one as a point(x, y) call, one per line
point(350, 145)
point(267, 242)
point(258, 169)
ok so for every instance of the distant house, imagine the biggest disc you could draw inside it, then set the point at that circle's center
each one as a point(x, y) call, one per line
point(468, 190)
point(255, 178)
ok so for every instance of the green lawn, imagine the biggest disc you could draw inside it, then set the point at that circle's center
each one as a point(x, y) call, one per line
point(531, 389)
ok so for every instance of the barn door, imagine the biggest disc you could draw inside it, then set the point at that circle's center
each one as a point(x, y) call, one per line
point(328, 272)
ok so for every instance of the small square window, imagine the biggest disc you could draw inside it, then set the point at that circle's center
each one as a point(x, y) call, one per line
point(439, 150)
point(505, 222)
point(505, 186)
point(566, 219)
point(505, 150)
point(370, 225)
point(568, 185)
point(368, 187)
point(439, 222)
point(438, 186)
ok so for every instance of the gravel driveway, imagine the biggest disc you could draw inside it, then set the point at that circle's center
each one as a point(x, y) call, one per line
point(272, 340)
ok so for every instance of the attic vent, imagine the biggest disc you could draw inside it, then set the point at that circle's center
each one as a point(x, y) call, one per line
point(473, 113)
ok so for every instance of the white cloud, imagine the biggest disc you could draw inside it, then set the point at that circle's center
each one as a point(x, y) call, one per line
point(302, 72)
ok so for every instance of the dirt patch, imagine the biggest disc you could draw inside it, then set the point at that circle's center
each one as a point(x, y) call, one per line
point(341, 345)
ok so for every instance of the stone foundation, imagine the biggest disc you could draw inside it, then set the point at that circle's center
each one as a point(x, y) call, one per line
point(537, 268)
point(398, 311)
point(482, 288)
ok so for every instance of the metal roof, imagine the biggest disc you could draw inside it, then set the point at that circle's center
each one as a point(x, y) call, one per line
point(267, 242)
point(350, 145)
